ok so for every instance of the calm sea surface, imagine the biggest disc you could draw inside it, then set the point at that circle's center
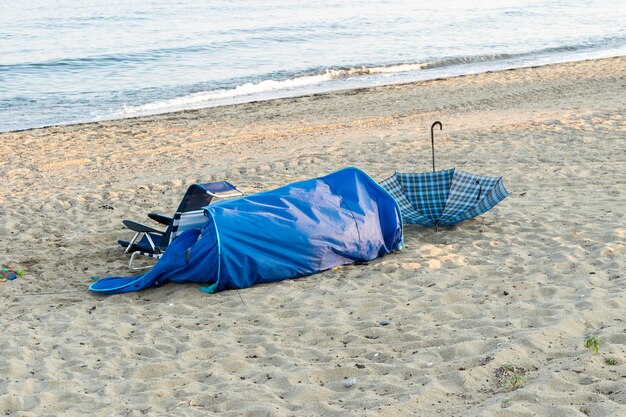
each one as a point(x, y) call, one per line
point(72, 61)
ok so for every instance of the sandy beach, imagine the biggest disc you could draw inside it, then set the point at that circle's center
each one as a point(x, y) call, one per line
point(486, 318)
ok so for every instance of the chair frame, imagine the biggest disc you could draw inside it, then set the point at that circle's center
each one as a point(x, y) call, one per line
point(173, 224)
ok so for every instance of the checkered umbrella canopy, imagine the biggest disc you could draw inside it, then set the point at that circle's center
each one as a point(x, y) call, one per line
point(443, 198)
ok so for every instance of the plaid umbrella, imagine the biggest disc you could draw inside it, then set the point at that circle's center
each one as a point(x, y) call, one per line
point(443, 198)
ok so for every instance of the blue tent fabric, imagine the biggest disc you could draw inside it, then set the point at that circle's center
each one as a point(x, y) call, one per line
point(443, 198)
point(297, 230)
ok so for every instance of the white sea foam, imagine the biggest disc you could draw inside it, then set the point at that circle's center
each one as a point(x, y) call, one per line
point(272, 88)
point(205, 97)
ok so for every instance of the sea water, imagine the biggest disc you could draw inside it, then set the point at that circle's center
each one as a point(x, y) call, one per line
point(69, 61)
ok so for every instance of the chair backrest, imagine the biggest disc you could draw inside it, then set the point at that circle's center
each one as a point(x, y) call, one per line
point(190, 213)
point(184, 221)
point(200, 195)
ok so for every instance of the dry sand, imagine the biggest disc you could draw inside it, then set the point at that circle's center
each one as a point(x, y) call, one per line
point(487, 318)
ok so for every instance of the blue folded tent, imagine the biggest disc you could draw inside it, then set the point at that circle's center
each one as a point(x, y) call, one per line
point(297, 230)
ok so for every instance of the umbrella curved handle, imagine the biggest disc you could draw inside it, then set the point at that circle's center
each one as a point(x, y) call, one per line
point(432, 138)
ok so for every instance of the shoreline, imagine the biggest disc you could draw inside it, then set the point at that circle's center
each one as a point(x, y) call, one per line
point(487, 318)
point(330, 91)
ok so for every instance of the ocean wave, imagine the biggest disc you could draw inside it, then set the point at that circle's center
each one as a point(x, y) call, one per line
point(487, 58)
point(275, 84)
point(291, 82)
point(247, 89)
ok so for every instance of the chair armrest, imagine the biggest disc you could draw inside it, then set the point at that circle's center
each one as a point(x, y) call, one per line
point(223, 189)
point(160, 218)
point(136, 227)
point(235, 193)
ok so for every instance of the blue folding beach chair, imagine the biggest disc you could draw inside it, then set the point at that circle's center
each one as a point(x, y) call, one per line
point(151, 242)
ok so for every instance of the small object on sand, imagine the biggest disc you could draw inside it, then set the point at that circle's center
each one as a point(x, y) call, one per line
point(384, 322)
point(11, 274)
point(349, 383)
point(505, 292)
point(485, 360)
